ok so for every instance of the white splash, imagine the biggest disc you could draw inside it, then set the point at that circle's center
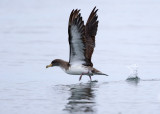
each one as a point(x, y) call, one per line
point(133, 70)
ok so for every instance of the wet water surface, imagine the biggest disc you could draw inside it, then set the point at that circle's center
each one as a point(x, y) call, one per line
point(33, 33)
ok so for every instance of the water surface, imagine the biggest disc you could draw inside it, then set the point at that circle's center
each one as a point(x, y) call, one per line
point(33, 33)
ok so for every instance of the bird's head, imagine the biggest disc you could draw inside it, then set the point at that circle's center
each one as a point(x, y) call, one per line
point(53, 63)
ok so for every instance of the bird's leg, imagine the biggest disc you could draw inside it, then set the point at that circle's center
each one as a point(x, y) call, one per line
point(80, 77)
point(90, 77)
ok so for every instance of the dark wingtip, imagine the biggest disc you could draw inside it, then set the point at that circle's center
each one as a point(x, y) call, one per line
point(95, 9)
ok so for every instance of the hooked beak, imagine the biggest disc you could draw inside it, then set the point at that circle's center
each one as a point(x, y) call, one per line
point(49, 66)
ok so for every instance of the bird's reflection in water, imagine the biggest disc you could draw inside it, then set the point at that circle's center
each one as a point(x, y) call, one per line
point(82, 98)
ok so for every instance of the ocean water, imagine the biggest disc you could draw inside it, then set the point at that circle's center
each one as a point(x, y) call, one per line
point(33, 33)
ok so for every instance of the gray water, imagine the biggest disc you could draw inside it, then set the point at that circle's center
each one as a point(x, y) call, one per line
point(33, 33)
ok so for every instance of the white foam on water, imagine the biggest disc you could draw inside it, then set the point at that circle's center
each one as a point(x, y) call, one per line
point(133, 70)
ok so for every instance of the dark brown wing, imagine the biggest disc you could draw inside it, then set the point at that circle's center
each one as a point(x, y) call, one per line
point(76, 32)
point(90, 33)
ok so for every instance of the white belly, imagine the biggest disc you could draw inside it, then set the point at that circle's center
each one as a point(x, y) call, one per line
point(77, 70)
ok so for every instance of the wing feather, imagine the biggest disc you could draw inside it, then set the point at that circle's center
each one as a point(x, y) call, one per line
point(76, 33)
point(82, 38)
point(90, 33)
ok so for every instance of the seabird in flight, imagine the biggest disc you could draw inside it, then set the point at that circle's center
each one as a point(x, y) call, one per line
point(82, 43)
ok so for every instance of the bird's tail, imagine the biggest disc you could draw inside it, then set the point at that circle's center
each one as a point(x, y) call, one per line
point(97, 72)
point(100, 73)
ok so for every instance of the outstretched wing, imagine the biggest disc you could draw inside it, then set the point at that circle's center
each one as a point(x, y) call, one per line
point(76, 31)
point(90, 33)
